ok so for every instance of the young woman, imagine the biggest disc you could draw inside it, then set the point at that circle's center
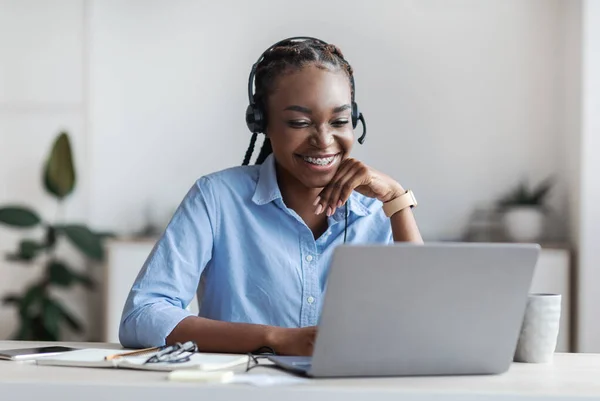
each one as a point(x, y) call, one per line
point(259, 239)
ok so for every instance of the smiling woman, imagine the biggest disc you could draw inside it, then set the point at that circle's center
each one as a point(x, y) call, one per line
point(261, 237)
point(311, 139)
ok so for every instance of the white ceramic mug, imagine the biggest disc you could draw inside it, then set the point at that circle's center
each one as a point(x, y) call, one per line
point(539, 332)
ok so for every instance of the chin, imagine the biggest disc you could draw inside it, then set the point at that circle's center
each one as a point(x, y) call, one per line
point(316, 182)
point(312, 179)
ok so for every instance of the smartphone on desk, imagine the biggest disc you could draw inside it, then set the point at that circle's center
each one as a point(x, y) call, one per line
point(22, 354)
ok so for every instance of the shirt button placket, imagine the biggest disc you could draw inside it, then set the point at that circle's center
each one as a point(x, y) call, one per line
point(309, 317)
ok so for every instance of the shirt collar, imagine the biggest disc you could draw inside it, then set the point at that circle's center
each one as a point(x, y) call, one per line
point(267, 190)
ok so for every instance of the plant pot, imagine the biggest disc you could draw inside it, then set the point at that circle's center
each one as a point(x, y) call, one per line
point(524, 223)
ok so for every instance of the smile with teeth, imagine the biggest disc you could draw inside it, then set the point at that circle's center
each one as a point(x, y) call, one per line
point(319, 161)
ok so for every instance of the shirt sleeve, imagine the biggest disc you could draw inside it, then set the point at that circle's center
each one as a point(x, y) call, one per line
point(169, 278)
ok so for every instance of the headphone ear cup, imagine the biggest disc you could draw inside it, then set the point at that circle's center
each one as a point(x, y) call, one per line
point(255, 119)
point(355, 114)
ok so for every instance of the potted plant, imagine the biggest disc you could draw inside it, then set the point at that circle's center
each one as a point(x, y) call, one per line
point(42, 315)
point(524, 211)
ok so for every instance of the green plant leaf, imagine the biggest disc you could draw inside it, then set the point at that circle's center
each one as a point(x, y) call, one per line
point(24, 331)
point(522, 195)
point(16, 257)
point(86, 281)
point(51, 317)
point(40, 332)
point(65, 315)
point(85, 240)
point(50, 237)
point(59, 172)
point(32, 299)
point(28, 250)
point(59, 274)
point(106, 234)
point(11, 299)
point(18, 216)
point(540, 193)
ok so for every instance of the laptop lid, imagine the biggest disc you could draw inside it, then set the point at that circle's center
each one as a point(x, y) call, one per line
point(433, 309)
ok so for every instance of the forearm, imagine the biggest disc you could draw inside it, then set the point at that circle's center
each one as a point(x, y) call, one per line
point(404, 227)
point(217, 336)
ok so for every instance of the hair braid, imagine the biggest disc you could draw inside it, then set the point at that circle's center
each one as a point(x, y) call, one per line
point(250, 150)
point(265, 151)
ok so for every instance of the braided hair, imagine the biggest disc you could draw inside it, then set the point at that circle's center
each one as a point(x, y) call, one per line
point(287, 57)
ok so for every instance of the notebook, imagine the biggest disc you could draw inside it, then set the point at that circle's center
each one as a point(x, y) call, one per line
point(94, 358)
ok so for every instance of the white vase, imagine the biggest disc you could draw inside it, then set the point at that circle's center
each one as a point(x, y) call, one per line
point(540, 328)
point(524, 223)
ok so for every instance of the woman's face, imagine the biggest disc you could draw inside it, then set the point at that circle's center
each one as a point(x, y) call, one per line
point(309, 124)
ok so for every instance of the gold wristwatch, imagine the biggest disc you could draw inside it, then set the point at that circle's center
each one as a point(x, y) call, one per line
point(402, 202)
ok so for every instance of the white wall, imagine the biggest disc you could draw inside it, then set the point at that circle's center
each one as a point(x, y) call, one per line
point(571, 111)
point(41, 92)
point(461, 97)
point(589, 212)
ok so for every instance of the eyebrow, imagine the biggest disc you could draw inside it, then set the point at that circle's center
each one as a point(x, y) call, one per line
point(306, 110)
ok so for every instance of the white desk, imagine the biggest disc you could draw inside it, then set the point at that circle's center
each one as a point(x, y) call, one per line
point(570, 376)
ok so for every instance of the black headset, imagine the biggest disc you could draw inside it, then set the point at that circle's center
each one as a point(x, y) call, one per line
point(255, 115)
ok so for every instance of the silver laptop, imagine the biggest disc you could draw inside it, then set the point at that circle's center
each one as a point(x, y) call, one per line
point(434, 309)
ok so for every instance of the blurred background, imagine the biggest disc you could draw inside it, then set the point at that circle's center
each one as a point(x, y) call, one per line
point(488, 110)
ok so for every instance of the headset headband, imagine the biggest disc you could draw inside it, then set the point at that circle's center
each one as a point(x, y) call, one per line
point(254, 114)
point(293, 38)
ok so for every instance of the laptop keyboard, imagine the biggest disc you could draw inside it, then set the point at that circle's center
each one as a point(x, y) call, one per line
point(299, 362)
point(302, 361)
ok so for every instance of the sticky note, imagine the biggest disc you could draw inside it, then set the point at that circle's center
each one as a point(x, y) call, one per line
point(199, 376)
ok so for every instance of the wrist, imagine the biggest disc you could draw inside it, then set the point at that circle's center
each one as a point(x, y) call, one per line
point(271, 337)
point(400, 203)
point(396, 192)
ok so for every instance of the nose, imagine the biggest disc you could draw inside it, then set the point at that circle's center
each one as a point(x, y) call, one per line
point(322, 136)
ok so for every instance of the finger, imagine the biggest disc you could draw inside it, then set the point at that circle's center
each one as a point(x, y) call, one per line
point(345, 166)
point(345, 185)
point(359, 178)
point(323, 198)
point(342, 185)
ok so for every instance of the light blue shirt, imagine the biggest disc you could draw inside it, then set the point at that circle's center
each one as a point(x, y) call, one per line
point(259, 262)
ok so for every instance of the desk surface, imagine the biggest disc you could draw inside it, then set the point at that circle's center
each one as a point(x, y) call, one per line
point(568, 377)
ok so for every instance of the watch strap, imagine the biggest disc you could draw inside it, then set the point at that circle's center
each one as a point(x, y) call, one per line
point(400, 203)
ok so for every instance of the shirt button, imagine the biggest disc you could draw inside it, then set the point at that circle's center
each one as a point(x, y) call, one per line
point(310, 300)
point(309, 258)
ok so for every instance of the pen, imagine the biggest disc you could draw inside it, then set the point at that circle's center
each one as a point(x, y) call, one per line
point(132, 353)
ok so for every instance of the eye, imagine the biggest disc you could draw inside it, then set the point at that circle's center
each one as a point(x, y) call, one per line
point(298, 123)
point(340, 123)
